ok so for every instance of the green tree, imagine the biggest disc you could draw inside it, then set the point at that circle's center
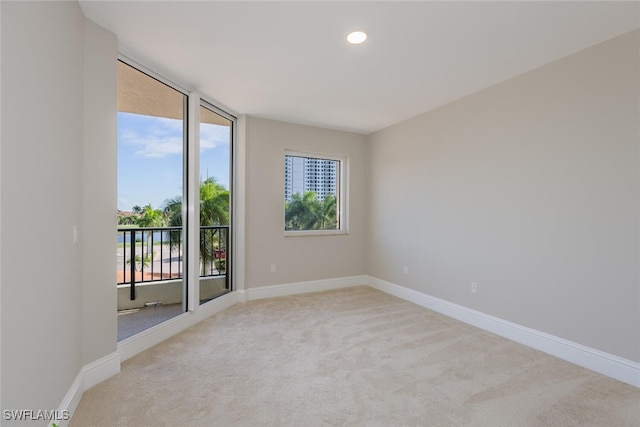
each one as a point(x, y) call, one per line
point(301, 213)
point(140, 261)
point(214, 203)
point(148, 218)
point(124, 219)
point(306, 212)
point(328, 213)
point(214, 210)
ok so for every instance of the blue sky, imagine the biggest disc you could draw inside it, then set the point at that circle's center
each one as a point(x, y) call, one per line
point(150, 158)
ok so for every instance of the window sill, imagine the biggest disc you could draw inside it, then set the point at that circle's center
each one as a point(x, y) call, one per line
point(307, 233)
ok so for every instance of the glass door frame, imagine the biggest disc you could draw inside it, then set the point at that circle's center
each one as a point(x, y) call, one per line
point(193, 198)
point(185, 152)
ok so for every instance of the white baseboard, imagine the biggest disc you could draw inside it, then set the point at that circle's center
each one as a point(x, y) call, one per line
point(98, 371)
point(261, 292)
point(607, 364)
point(146, 339)
point(89, 375)
point(241, 295)
point(70, 401)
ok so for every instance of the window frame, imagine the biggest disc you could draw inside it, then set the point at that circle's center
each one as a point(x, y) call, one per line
point(342, 198)
point(229, 270)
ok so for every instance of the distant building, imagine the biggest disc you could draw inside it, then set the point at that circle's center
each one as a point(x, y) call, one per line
point(309, 174)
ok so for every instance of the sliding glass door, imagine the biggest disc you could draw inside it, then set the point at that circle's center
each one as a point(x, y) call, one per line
point(216, 142)
point(174, 201)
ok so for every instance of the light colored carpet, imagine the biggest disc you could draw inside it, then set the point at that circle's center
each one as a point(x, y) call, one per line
point(350, 357)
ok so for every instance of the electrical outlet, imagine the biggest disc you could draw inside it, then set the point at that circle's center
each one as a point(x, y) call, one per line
point(474, 287)
point(273, 268)
point(406, 270)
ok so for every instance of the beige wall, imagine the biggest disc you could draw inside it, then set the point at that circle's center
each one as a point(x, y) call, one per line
point(41, 289)
point(58, 170)
point(297, 258)
point(99, 303)
point(529, 188)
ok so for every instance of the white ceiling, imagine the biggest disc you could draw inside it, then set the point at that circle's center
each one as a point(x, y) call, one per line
point(289, 61)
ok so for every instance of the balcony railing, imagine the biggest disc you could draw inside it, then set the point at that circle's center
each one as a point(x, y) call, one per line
point(155, 253)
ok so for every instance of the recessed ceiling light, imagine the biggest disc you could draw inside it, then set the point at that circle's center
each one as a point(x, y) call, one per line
point(356, 37)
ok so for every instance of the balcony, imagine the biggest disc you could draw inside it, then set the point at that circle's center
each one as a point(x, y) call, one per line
point(150, 273)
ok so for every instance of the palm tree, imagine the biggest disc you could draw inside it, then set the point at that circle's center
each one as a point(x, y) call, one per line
point(140, 261)
point(214, 203)
point(328, 213)
point(302, 212)
point(214, 210)
point(306, 212)
point(150, 218)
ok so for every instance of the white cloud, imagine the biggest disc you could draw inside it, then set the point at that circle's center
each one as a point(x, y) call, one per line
point(212, 136)
point(160, 137)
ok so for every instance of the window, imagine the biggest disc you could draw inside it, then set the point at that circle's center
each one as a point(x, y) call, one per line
point(314, 195)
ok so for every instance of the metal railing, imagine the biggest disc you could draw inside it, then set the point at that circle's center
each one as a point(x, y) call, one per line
point(214, 244)
point(155, 253)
